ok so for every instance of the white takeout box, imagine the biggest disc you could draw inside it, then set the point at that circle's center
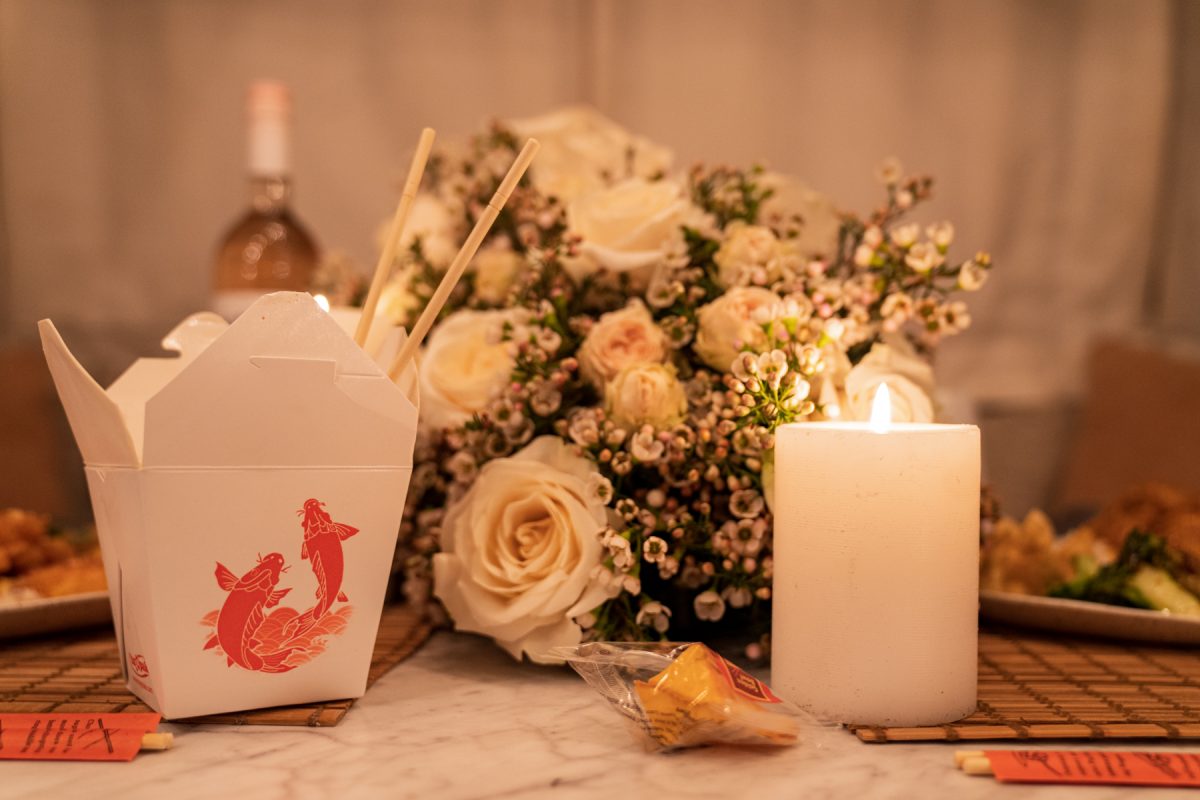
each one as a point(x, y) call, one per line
point(201, 467)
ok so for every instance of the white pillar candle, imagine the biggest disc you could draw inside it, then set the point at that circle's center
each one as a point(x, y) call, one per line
point(877, 571)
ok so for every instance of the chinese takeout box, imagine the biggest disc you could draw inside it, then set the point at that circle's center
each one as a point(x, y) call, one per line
point(247, 497)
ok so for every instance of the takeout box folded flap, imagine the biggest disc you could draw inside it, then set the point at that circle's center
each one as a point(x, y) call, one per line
point(95, 419)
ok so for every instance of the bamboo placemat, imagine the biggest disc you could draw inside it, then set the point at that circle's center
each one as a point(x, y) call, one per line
point(1041, 687)
point(81, 673)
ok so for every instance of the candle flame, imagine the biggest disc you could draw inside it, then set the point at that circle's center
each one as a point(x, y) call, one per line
point(322, 301)
point(881, 410)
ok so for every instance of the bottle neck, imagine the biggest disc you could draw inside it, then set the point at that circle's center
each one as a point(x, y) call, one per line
point(269, 194)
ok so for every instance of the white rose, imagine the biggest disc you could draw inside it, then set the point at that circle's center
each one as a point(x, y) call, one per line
point(820, 221)
point(727, 324)
point(495, 268)
point(748, 249)
point(646, 394)
point(620, 338)
point(519, 550)
point(629, 226)
point(583, 151)
point(464, 366)
point(909, 379)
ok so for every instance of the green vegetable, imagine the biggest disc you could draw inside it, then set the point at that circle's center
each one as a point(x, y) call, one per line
point(1162, 592)
point(1085, 566)
point(1147, 574)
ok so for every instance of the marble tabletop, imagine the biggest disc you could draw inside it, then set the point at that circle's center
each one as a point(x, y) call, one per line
point(460, 719)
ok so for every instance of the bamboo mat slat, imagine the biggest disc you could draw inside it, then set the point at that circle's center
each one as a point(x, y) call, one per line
point(1040, 687)
point(81, 672)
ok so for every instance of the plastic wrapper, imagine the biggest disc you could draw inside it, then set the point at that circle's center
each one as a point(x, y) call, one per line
point(686, 695)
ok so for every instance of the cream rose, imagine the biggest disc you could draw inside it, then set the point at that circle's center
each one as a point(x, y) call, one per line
point(464, 366)
point(620, 338)
point(727, 324)
point(519, 549)
point(820, 221)
point(628, 227)
point(583, 151)
point(495, 268)
point(909, 379)
point(646, 394)
point(750, 249)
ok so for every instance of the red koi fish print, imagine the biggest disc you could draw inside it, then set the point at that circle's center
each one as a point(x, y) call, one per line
point(322, 547)
point(242, 614)
point(255, 632)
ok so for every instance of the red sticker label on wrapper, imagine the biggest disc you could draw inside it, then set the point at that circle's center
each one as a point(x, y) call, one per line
point(742, 682)
point(251, 630)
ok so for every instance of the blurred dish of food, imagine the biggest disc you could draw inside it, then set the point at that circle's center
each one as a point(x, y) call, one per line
point(37, 562)
point(1148, 573)
point(1142, 552)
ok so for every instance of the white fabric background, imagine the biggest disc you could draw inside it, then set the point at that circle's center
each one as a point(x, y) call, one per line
point(1058, 132)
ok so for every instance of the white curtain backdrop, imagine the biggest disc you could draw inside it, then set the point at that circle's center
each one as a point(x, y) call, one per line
point(1048, 126)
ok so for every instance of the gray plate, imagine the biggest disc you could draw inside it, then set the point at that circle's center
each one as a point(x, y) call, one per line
point(30, 617)
point(1089, 619)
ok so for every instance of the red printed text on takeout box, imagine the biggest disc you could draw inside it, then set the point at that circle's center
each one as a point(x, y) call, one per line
point(74, 737)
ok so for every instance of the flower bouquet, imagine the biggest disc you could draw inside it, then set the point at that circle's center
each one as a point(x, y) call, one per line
point(600, 394)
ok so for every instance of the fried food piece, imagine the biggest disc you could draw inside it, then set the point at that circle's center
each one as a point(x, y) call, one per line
point(1016, 556)
point(26, 544)
point(1181, 530)
point(32, 560)
point(1165, 510)
point(76, 575)
point(1026, 558)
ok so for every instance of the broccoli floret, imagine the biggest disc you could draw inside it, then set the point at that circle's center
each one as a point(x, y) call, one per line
point(1143, 576)
point(1151, 550)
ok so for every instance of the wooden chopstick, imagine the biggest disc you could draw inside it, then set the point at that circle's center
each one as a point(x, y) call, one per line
point(383, 269)
point(465, 254)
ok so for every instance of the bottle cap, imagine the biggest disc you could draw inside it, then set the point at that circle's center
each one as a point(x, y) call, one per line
point(268, 98)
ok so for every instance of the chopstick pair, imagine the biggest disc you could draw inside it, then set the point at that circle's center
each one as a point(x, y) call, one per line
point(387, 257)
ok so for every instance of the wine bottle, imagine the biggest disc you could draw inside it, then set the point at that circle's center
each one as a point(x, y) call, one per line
point(268, 249)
